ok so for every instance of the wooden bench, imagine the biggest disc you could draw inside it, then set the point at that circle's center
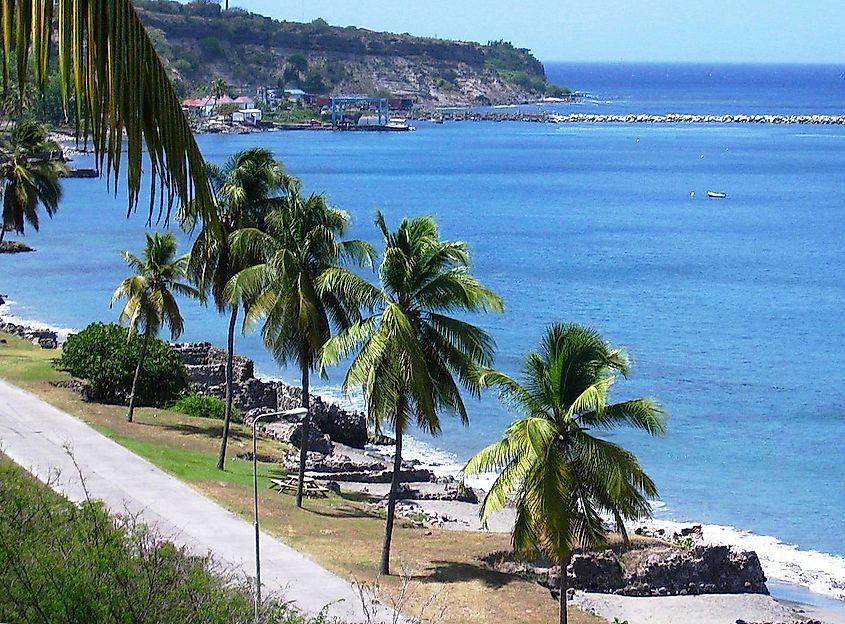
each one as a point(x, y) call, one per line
point(289, 485)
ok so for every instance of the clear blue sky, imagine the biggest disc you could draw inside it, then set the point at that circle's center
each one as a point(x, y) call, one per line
point(752, 31)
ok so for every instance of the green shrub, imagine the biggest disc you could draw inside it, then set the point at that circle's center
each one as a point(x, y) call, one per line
point(61, 562)
point(203, 406)
point(102, 354)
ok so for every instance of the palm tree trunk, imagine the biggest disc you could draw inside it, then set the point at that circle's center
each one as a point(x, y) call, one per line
point(303, 438)
point(564, 587)
point(227, 417)
point(137, 375)
point(391, 505)
point(2, 232)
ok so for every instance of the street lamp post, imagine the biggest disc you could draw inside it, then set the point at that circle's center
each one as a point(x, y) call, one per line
point(299, 411)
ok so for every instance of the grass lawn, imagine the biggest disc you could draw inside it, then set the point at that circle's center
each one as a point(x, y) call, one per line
point(340, 532)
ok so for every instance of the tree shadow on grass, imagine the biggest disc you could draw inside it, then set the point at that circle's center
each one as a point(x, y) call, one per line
point(345, 511)
point(457, 572)
point(212, 430)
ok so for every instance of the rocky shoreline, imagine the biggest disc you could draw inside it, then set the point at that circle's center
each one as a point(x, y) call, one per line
point(663, 566)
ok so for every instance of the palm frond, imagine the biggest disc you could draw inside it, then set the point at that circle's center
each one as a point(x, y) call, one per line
point(108, 65)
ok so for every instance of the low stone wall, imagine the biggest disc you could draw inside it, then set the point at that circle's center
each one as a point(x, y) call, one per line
point(206, 366)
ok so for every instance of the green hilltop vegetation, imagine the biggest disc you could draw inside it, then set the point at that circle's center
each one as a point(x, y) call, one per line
point(201, 42)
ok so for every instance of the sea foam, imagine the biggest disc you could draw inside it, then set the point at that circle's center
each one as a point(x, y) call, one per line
point(10, 314)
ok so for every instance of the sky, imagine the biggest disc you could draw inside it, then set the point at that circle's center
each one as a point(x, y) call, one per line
point(739, 31)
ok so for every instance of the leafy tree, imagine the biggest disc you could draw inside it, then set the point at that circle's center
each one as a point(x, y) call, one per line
point(562, 477)
point(121, 91)
point(411, 355)
point(244, 188)
point(30, 177)
point(296, 66)
point(101, 355)
point(150, 302)
point(211, 48)
point(313, 82)
point(298, 248)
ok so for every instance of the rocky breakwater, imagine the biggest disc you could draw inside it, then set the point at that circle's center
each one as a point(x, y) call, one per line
point(44, 338)
point(590, 118)
point(654, 570)
point(206, 366)
point(678, 118)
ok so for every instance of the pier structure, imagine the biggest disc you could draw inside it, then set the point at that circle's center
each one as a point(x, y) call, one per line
point(342, 102)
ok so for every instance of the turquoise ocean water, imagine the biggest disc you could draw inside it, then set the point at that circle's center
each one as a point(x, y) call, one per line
point(732, 310)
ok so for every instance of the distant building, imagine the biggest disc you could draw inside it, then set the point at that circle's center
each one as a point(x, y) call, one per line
point(207, 106)
point(244, 102)
point(295, 95)
point(251, 116)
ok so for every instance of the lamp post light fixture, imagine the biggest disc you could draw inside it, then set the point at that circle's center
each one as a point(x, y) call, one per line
point(299, 411)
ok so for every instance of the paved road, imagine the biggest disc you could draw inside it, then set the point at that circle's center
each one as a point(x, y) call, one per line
point(35, 435)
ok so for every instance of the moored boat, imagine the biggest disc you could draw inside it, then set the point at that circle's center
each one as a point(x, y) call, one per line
point(716, 195)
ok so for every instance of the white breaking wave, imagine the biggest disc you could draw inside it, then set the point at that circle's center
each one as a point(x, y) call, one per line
point(7, 313)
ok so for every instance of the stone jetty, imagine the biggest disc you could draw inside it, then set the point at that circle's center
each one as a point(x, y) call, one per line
point(590, 118)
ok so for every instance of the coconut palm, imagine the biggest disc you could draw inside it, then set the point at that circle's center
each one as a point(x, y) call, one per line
point(30, 178)
point(411, 355)
point(219, 88)
point(150, 302)
point(108, 66)
point(299, 246)
point(563, 478)
point(244, 189)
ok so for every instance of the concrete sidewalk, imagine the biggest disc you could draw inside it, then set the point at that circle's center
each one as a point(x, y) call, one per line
point(35, 435)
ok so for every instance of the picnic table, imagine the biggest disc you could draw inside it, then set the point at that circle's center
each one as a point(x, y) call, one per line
point(289, 485)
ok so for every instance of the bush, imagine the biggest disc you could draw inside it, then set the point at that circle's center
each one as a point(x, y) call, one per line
point(102, 354)
point(211, 48)
point(202, 406)
point(61, 562)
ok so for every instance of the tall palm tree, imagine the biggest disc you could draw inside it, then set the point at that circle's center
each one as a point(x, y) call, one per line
point(299, 247)
point(219, 88)
point(410, 351)
point(30, 178)
point(109, 67)
point(150, 302)
point(562, 477)
point(244, 189)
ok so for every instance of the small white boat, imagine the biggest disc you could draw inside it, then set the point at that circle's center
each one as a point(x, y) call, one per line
point(716, 195)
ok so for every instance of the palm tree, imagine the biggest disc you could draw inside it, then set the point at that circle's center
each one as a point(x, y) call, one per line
point(410, 352)
point(219, 88)
point(299, 247)
point(243, 189)
point(150, 303)
point(30, 178)
point(108, 66)
point(562, 477)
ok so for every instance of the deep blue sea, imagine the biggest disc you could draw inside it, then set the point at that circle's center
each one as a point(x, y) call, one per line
point(731, 310)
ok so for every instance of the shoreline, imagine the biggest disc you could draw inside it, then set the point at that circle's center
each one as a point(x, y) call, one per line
point(462, 516)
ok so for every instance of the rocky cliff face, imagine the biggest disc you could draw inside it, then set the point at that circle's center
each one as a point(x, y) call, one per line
point(250, 50)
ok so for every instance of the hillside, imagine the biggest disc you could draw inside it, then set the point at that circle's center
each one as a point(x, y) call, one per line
point(202, 43)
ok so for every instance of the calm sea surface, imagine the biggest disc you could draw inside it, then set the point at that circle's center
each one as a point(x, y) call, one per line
point(732, 310)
